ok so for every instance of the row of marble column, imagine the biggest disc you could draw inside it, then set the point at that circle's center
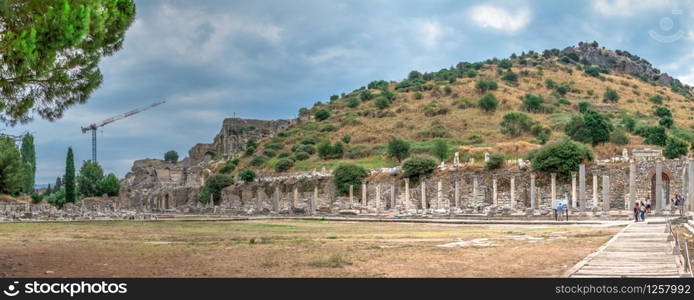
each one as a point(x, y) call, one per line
point(578, 198)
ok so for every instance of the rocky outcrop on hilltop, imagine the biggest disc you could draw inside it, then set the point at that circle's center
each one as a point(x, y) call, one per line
point(617, 61)
point(155, 184)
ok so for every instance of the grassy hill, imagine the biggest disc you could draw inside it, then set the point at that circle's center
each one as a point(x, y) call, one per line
point(446, 105)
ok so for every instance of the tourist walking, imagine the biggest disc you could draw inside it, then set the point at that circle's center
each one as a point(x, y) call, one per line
point(643, 213)
point(637, 212)
point(648, 205)
point(560, 210)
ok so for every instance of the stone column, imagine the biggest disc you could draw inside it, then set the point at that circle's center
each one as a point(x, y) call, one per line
point(554, 187)
point(690, 173)
point(351, 196)
point(582, 187)
point(276, 200)
point(439, 192)
point(595, 190)
point(407, 193)
point(632, 186)
point(314, 203)
point(475, 185)
point(533, 202)
point(392, 195)
point(364, 200)
point(424, 195)
point(296, 197)
point(659, 187)
point(495, 198)
point(378, 198)
point(456, 194)
point(513, 191)
point(606, 193)
point(574, 197)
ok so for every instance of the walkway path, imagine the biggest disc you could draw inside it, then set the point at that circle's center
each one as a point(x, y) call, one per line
point(640, 250)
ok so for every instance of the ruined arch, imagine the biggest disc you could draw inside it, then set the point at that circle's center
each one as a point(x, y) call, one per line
point(667, 177)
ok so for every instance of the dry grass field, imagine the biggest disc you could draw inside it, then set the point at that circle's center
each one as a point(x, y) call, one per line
point(292, 248)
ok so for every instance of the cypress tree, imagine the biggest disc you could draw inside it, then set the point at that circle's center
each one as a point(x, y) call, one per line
point(69, 178)
point(29, 158)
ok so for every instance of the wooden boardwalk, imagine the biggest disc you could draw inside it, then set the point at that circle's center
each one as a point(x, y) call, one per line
point(639, 250)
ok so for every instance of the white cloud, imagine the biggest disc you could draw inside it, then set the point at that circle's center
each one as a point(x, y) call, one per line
point(430, 32)
point(625, 8)
point(489, 16)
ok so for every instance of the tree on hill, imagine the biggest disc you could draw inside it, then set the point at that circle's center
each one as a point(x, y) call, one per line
point(348, 174)
point(488, 103)
point(610, 95)
point(247, 175)
point(12, 170)
point(322, 114)
point(51, 51)
point(562, 157)
point(212, 190)
point(171, 156)
point(29, 159)
point(484, 85)
point(69, 178)
point(496, 160)
point(89, 177)
point(398, 149)
point(675, 147)
point(591, 128)
point(440, 149)
point(417, 166)
point(515, 123)
point(109, 185)
point(533, 103)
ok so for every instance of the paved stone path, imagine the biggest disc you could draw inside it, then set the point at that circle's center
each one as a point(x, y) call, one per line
point(640, 250)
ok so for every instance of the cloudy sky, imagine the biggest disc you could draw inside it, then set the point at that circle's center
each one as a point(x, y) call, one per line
point(266, 59)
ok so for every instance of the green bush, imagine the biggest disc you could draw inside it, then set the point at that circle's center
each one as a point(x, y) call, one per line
point(358, 152)
point(654, 135)
point(629, 123)
point(273, 146)
point(171, 156)
point(666, 122)
point(269, 153)
point(417, 166)
point(398, 149)
point(308, 141)
point(515, 123)
point(496, 160)
point(440, 149)
point(619, 137)
point(435, 131)
point(321, 114)
point(484, 85)
point(488, 103)
point(533, 103)
point(541, 133)
point(657, 99)
point(301, 155)
point(610, 95)
point(418, 95)
point(247, 175)
point(353, 102)
point(434, 109)
point(346, 138)
point(382, 103)
point(228, 166)
point(348, 174)
point(258, 161)
point(583, 107)
point(109, 185)
point(510, 77)
point(329, 151)
point(213, 187)
point(304, 148)
point(675, 147)
point(284, 154)
point(590, 128)
point(283, 165)
point(562, 157)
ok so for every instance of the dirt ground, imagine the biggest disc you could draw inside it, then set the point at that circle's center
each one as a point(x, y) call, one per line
point(292, 248)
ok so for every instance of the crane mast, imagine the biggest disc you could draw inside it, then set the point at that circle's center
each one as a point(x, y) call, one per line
point(93, 127)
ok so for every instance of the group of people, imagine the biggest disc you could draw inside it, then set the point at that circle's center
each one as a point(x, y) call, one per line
point(641, 208)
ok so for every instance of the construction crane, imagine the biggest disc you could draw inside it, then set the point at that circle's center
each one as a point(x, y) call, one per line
point(103, 123)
